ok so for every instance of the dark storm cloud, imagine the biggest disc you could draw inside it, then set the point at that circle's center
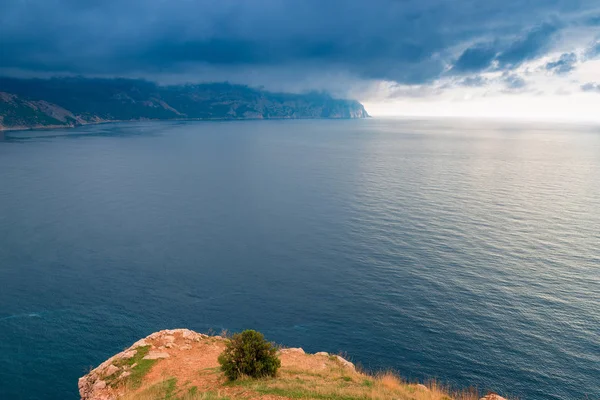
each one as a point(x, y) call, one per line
point(593, 20)
point(534, 44)
point(407, 41)
point(564, 65)
point(506, 54)
point(476, 58)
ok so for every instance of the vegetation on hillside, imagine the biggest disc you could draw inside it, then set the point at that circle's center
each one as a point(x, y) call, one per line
point(334, 383)
point(96, 100)
point(184, 365)
point(249, 354)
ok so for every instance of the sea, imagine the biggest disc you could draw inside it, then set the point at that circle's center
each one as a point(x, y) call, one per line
point(464, 251)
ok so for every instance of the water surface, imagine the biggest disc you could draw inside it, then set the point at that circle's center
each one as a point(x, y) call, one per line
point(459, 250)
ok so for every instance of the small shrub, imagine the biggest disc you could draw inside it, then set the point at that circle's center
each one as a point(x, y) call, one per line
point(249, 354)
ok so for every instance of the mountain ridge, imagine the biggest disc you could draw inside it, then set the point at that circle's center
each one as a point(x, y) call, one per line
point(69, 102)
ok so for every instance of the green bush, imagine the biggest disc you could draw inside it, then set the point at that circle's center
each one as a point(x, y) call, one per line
point(249, 354)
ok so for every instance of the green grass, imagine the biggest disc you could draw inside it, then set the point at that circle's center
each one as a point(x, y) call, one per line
point(302, 393)
point(210, 371)
point(294, 389)
point(164, 390)
point(171, 385)
point(291, 371)
point(168, 390)
point(138, 372)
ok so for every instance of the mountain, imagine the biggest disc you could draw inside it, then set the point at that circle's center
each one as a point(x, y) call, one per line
point(68, 102)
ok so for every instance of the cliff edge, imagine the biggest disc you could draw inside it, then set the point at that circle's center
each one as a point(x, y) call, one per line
point(181, 364)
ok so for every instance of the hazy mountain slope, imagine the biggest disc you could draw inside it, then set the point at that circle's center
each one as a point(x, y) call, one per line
point(32, 103)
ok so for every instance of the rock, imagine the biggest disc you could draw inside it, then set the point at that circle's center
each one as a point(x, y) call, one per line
point(493, 396)
point(186, 347)
point(111, 369)
point(155, 355)
point(99, 385)
point(128, 354)
point(322, 353)
point(169, 345)
point(125, 374)
point(140, 343)
point(191, 335)
point(345, 363)
point(297, 350)
point(155, 335)
point(422, 387)
point(169, 339)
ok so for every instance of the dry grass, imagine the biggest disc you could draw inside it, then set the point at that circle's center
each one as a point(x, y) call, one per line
point(302, 376)
point(339, 384)
point(169, 390)
point(332, 384)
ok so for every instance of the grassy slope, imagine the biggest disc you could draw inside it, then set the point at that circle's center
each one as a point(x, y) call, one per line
point(188, 369)
point(335, 383)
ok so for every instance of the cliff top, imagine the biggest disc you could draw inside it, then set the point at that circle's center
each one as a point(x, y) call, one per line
point(182, 364)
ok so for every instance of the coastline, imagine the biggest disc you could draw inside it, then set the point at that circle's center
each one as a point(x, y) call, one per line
point(53, 127)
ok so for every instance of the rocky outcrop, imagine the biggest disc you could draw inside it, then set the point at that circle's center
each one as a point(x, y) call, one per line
point(107, 381)
point(183, 364)
point(180, 353)
point(493, 396)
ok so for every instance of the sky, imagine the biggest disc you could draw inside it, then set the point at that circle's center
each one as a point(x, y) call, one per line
point(532, 59)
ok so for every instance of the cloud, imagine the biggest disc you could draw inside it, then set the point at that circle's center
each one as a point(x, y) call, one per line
point(593, 51)
point(513, 81)
point(507, 54)
point(476, 58)
point(564, 65)
point(281, 42)
point(592, 20)
point(530, 46)
point(474, 81)
point(591, 87)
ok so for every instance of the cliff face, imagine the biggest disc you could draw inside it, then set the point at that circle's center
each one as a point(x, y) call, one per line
point(181, 364)
point(37, 103)
point(19, 113)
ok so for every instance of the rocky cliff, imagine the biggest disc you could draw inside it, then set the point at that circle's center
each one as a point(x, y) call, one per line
point(67, 102)
point(181, 364)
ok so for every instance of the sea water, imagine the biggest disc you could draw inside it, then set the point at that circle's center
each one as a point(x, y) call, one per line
point(463, 251)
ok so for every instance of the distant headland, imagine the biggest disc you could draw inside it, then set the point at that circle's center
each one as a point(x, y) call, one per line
point(73, 101)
